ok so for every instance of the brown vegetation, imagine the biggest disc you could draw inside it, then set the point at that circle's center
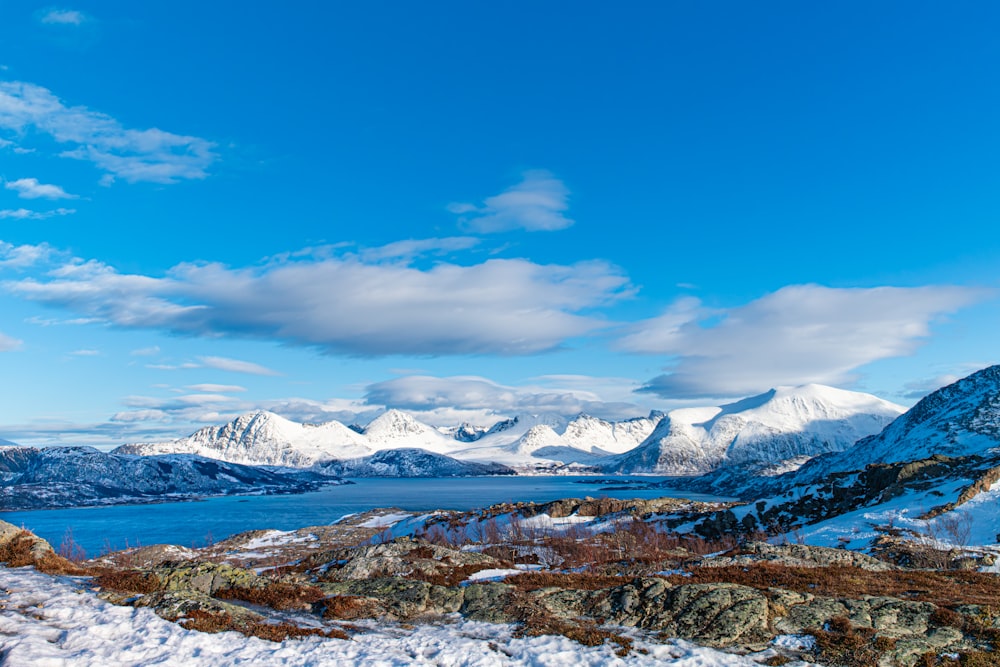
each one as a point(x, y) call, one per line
point(128, 581)
point(348, 607)
point(276, 595)
point(17, 553)
point(841, 643)
point(535, 621)
point(947, 588)
point(216, 621)
point(533, 581)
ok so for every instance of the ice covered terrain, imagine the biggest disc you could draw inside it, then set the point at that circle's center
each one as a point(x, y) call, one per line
point(47, 621)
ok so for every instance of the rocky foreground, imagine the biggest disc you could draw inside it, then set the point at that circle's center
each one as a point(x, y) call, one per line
point(776, 603)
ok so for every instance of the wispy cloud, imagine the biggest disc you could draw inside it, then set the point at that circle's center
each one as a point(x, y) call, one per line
point(410, 248)
point(917, 389)
point(86, 353)
point(219, 364)
point(537, 203)
point(347, 305)
point(447, 400)
point(7, 343)
point(26, 214)
point(217, 388)
point(797, 335)
point(151, 155)
point(30, 188)
point(151, 417)
point(146, 351)
point(236, 366)
point(63, 17)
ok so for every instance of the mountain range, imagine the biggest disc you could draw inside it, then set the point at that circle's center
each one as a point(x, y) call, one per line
point(788, 444)
point(774, 431)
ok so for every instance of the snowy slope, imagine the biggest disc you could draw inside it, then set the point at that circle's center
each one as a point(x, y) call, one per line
point(780, 425)
point(599, 436)
point(264, 438)
point(958, 420)
point(394, 429)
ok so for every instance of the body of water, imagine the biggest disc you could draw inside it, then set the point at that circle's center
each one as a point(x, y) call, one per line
point(99, 529)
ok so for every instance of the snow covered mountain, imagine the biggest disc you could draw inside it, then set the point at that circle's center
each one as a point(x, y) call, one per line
point(960, 419)
point(264, 438)
point(786, 424)
point(394, 429)
point(782, 427)
point(74, 476)
point(546, 444)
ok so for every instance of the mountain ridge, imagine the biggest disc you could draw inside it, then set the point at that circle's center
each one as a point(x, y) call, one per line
point(771, 428)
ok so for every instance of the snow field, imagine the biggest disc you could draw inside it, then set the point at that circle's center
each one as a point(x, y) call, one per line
point(58, 622)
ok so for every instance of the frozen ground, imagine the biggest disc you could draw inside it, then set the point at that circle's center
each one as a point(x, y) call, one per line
point(58, 622)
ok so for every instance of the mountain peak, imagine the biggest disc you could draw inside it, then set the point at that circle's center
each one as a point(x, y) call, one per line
point(959, 419)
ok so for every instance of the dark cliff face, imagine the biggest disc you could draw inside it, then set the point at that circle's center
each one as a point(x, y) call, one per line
point(15, 460)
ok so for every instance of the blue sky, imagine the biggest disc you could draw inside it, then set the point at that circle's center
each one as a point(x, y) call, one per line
point(473, 210)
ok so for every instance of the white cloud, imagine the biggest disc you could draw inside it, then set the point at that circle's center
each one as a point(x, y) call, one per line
point(150, 155)
point(447, 400)
point(25, 214)
point(7, 344)
point(174, 367)
point(146, 351)
point(30, 188)
point(173, 417)
point(537, 203)
point(797, 335)
point(86, 353)
point(131, 416)
point(236, 366)
point(217, 388)
point(917, 389)
point(25, 256)
point(411, 248)
point(345, 305)
point(63, 17)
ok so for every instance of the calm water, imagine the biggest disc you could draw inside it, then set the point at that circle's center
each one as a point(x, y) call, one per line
point(194, 523)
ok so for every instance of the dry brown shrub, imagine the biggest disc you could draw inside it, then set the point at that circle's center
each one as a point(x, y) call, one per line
point(449, 577)
point(281, 631)
point(950, 588)
point(220, 621)
point(532, 581)
point(17, 553)
point(842, 644)
point(276, 595)
point(944, 617)
point(53, 564)
point(349, 607)
point(537, 621)
point(128, 581)
point(964, 659)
